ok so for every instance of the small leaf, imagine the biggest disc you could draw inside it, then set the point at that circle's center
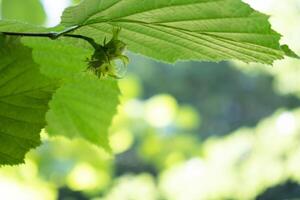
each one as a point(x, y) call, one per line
point(84, 108)
point(212, 30)
point(24, 96)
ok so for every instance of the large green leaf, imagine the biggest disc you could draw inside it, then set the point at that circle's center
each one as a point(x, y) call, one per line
point(30, 11)
point(85, 105)
point(24, 96)
point(212, 30)
point(64, 59)
point(84, 108)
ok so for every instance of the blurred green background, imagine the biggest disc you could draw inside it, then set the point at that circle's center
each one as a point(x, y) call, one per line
point(189, 131)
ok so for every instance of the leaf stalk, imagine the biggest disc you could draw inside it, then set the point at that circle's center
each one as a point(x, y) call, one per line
point(54, 35)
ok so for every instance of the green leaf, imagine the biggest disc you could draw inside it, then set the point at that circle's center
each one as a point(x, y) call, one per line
point(289, 52)
point(62, 58)
point(84, 108)
point(75, 1)
point(15, 26)
point(30, 11)
point(66, 59)
point(24, 96)
point(211, 30)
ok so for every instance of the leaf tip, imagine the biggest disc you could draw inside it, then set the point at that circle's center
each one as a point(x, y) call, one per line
point(288, 52)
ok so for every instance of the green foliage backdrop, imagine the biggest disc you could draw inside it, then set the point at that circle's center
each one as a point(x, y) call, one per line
point(84, 105)
point(189, 130)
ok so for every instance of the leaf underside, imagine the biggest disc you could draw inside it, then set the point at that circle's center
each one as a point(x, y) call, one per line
point(210, 30)
point(60, 59)
point(84, 108)
point(24, 96)
point(18, 10)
